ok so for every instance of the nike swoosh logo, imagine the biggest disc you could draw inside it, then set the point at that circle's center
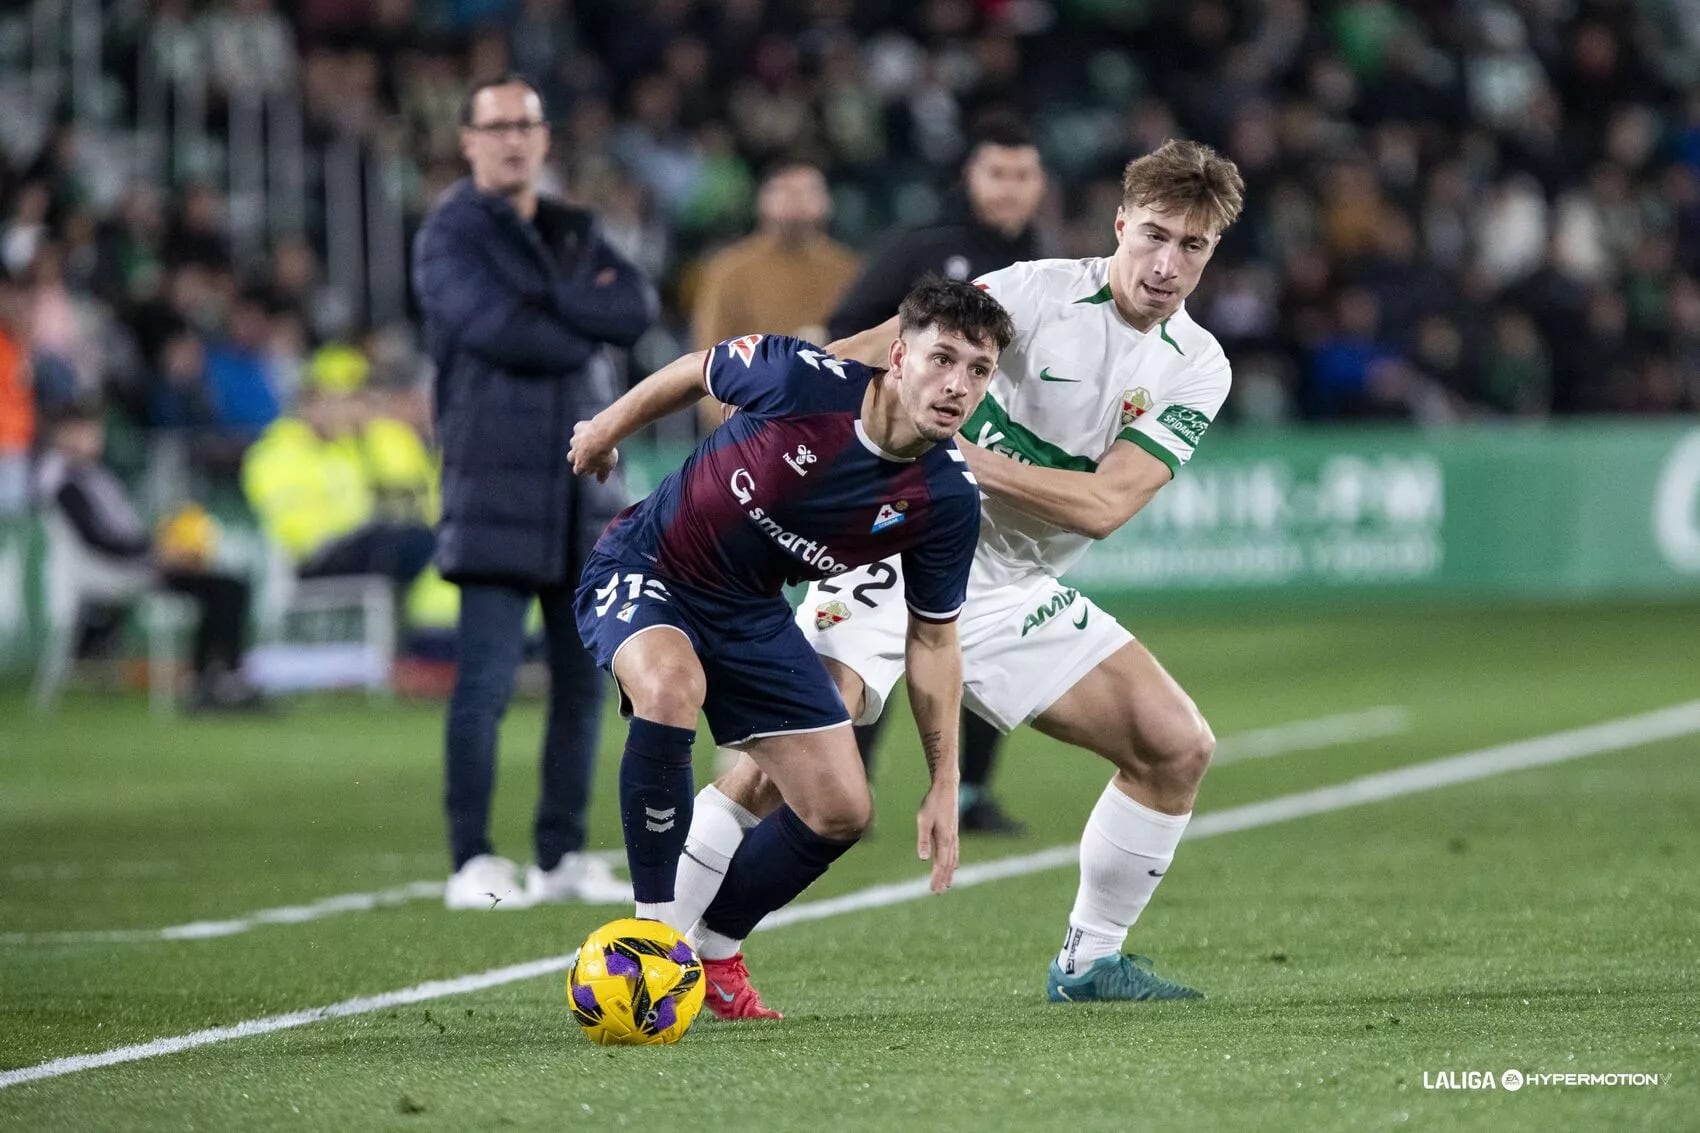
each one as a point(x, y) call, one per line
point(1084, 614)
point(1045, 376)
point(1154, 873)
point(721, 992)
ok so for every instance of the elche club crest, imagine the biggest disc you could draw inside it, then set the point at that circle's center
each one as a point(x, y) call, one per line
point(829, 614)
point(1135, 404)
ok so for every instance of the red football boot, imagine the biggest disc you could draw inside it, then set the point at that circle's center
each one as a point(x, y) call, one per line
point(730, 995)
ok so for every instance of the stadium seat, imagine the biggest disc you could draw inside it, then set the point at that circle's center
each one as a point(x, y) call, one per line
point(322, 633)
point(77, 580)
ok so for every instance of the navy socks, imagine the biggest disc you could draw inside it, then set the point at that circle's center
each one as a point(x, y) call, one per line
point(656, 789)
point(778, 859)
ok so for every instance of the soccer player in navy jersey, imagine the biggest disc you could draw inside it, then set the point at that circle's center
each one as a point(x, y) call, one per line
point(827, 465)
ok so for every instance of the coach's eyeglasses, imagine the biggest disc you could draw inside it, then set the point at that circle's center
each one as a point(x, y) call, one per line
point(523, 127)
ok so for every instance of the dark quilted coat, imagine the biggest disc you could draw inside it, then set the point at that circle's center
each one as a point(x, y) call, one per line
point(517, 316)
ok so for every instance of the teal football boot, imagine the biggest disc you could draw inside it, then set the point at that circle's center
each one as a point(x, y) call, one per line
point(1113, 977)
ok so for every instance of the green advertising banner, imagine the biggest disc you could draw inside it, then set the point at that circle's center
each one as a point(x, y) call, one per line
point(20, 591)
point(1582, 509)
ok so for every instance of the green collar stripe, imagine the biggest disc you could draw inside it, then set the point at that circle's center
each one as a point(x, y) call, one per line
point(1102, 295)
point(991, 428)
point(1163, 329)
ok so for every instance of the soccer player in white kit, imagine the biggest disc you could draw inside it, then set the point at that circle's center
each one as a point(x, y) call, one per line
point(1104, 394)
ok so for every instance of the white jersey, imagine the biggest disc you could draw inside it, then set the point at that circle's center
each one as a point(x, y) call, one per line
point(1076, 379)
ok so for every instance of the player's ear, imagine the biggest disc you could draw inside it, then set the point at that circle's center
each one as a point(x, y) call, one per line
point(899, 351)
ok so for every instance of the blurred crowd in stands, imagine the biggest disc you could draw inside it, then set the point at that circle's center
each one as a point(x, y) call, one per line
point(1454, 209)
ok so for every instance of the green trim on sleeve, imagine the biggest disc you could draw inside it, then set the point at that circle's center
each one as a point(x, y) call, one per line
point(1145, 442)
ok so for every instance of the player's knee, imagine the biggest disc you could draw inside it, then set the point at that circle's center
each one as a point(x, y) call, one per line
point(1194, 752)
point(750, 787)
point(840, 815)
point(1183, 752)
point(764, 798)
point(667, 692)
point(1172, 752)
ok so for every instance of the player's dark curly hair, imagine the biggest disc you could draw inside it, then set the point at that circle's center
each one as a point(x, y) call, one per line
point(958, 307)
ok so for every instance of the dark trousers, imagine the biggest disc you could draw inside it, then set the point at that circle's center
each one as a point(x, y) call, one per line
point(400, 551)
point(223, 604)
point(489, 642)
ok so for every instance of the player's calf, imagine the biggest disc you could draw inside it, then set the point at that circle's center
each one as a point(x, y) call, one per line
point(661, 677)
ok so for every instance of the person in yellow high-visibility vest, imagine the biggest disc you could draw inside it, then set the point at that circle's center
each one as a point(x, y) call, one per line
point(407, 480)
point(308, 483)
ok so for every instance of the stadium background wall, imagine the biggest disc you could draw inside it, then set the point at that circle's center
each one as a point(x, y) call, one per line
point(1587, 509)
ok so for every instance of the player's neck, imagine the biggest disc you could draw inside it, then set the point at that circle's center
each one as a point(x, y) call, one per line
point(1125, 308)
point(886, 424)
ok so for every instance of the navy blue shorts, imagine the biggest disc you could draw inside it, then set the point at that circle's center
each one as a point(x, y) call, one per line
point(764, 679)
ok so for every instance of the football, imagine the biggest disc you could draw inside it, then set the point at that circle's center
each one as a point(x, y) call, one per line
point(635, 983)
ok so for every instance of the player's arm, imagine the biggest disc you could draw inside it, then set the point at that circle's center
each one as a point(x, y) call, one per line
point(933, 663)
point(679, 383)
point(871, 347)
point(1088, 503)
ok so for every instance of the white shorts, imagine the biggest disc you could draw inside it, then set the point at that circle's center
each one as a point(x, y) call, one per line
point(1023, 645)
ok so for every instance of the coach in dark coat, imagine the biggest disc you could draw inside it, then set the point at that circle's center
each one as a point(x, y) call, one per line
point(521, 298)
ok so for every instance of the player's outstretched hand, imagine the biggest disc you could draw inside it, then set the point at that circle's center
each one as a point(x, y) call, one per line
point(590, 452)
point(935, 829)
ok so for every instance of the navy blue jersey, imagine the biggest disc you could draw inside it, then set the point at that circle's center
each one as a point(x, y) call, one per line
point(792, 489)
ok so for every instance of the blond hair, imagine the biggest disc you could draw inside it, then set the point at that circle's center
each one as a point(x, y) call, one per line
point(1188, 178)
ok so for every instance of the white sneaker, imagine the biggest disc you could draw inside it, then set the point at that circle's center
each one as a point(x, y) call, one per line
point(485, 882)
point(579, 877)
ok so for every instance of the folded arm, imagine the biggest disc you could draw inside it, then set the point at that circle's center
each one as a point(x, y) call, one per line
point(486, 315)
point(607, 299)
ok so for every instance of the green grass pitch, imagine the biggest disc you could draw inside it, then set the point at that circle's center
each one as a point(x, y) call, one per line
point(1546, 920)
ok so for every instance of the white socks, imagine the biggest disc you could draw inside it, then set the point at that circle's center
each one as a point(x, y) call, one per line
point(655, 911)
point(717, 830)
point(710, 945)
point(1124, 853)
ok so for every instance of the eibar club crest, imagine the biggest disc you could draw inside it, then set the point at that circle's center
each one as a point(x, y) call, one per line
point(829, 614)
point(890, 515)
point(1135, 403)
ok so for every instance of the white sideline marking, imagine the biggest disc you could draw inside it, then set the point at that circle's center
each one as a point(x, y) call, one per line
point(205, 930)
point(1558, 747)
point(1258, 743)
point(283, 914)
point(1307, 735)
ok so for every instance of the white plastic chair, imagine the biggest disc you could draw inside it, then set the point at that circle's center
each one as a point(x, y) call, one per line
point(277, 664)
point(77, 578)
